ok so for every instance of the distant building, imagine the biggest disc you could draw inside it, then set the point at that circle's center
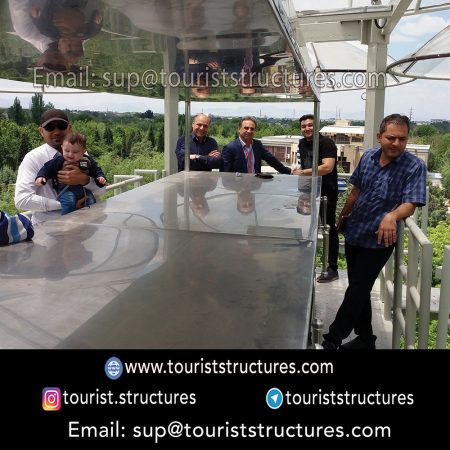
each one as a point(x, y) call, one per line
point(349, 142)
point(348, 139)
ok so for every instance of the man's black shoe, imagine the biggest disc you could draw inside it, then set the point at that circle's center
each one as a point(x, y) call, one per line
point(329, 276)
point(360, 343)
point(328, 345)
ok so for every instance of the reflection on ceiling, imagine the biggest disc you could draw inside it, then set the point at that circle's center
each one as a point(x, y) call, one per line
point(223, 50)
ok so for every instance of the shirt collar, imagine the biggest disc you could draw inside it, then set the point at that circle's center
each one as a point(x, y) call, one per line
point(244, 144)
point(195, 138)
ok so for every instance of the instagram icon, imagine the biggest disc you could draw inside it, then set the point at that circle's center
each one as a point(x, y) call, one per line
point(51, 399)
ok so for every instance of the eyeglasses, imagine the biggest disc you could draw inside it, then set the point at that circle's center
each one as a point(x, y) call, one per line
point(60, 125)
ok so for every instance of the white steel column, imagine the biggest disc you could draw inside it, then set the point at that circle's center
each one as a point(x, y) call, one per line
point(375, 92)
point(171, 98)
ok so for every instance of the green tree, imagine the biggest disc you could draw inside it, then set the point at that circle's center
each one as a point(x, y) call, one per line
point(160, 140)
point(38, 106)
point(151, 136)
point(439, 237)
point(437, 205)
point(446, 180)
point(24, 148)
point(148, 114)
point(16, 113)
point(425, 130)
point(108, 136)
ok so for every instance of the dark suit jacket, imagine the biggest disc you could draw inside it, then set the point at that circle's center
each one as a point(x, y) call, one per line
point(233, 158)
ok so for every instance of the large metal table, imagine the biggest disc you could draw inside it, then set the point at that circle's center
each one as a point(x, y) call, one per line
point(194, 260)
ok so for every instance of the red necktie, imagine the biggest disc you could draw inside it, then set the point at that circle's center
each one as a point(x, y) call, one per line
point(249, 158)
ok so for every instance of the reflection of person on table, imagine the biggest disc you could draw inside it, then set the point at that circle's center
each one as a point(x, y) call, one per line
point(198, 187)
point(245, 187)
point(245, 154)
point(204, 151)
point(304, 204)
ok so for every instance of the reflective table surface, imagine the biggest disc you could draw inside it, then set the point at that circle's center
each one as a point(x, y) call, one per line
point(195, 260)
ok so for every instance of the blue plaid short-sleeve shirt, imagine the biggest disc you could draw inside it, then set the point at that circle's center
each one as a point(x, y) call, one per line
point(382, 189)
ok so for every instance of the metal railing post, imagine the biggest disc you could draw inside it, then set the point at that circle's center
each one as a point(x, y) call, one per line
point(325, 235)
point(398, 326)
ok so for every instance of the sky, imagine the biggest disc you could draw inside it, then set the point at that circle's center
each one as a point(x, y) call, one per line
point(422, 99)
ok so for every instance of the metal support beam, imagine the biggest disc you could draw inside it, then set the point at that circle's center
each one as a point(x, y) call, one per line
point(397, 14)
point(344, 15)
point(329, 32)
point(376, 64)
point(171, 97)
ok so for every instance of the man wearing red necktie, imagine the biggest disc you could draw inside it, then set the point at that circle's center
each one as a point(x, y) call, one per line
point(245, 154)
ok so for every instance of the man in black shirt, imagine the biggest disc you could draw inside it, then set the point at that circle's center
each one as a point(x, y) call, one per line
point(327, 170)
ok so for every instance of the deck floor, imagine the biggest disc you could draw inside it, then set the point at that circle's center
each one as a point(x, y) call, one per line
point(329, 297)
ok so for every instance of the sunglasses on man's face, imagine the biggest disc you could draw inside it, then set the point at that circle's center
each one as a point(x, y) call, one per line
point(60, 125)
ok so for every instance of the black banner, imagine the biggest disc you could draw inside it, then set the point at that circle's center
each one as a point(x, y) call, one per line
point(203, 398)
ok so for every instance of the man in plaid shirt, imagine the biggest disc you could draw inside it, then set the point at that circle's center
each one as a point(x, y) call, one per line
point(388, 184)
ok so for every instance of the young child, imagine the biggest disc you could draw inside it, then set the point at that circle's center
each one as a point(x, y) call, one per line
point(73, 152)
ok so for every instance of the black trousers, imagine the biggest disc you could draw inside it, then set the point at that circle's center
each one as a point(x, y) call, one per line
point(333, 249)
point(355, 313)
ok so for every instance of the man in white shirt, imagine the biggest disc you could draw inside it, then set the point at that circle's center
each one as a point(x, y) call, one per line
point(42, 200)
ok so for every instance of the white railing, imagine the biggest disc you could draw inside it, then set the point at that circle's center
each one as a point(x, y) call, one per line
point(417, 274)
point(122, 182)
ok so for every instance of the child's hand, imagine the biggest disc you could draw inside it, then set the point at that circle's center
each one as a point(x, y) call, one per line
point(41, 181)
point(101, 180)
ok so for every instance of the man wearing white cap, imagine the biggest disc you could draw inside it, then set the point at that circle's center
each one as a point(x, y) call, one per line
point(42, 200)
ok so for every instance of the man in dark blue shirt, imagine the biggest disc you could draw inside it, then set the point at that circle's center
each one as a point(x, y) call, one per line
point(388, 184)
point(204, 151)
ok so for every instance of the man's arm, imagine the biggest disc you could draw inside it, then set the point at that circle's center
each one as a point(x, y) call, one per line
point(351, 200)
point(48, 170)
point(179, 152)
point(228, 156)
point(96, 172)
point(26, 196)
point(325, 168)
point(213, 160)
point(273, 162)
point(24, 26)
point(387, 230)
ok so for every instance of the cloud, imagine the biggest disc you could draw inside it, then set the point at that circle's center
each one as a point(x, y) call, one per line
point(416, 28)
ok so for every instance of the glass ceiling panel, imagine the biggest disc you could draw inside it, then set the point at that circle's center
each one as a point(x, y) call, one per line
point(345, 66)
point(431, 61)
